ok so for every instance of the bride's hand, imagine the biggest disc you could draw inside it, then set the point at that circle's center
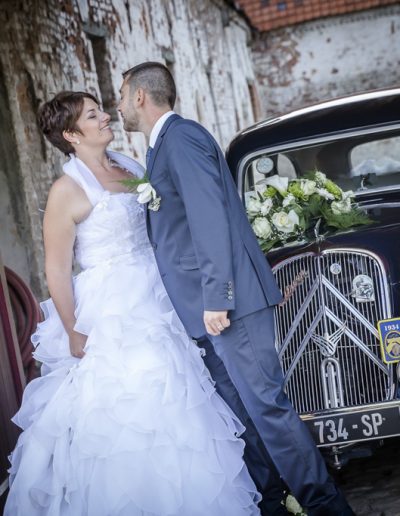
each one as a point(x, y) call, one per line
point(77, 342)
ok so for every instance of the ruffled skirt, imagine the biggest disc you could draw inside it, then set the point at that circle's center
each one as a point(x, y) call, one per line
point(135, 427)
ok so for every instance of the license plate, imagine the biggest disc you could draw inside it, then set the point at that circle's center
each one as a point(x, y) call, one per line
point(347, 427)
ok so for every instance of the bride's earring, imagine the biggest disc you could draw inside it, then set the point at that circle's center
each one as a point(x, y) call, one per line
point(78, 142)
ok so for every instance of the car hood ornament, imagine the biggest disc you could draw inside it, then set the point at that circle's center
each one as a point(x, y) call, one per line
point(318, 238)
point(328, 343)
point(363, 289)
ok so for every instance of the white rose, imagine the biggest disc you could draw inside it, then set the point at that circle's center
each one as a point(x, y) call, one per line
point(320, 177)
point(339, 207)
point(293, 506)
point(261, 227)
point(308, 187)
point(266, 206)
point(325, 194)
point(253, 206)
point(289, 199)
point(279, 183)
point(146, 193)
point(285, 222)
point(348, 195)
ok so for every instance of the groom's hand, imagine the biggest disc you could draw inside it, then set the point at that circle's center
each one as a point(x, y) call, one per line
point(216, 322)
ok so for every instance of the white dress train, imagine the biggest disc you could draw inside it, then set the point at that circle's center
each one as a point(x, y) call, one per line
point(135, 427)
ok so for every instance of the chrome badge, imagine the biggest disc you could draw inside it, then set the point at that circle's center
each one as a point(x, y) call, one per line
point(335, 268)
point(328, 343)
point(363, 289)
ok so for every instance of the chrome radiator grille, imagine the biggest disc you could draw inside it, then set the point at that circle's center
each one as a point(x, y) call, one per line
point(326, 333)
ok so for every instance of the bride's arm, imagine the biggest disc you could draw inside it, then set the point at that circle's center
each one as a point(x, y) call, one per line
point(59, 236)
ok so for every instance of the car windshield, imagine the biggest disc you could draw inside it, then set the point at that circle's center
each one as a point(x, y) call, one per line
point(358, 163)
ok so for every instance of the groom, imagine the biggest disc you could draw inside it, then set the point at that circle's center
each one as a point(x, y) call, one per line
point(223, 290)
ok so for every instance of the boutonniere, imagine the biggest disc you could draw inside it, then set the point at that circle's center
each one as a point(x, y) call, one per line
point(147, 193)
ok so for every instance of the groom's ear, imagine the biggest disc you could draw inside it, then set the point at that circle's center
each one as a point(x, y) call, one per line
point(139, 96)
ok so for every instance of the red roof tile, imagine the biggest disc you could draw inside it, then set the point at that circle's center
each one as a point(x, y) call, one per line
point(270, 14)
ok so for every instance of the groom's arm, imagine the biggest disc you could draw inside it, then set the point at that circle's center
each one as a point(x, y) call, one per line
point(194, 168)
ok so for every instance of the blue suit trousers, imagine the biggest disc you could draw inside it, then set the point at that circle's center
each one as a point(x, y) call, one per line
point(281, 445)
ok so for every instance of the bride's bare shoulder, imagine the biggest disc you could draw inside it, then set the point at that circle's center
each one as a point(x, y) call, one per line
point(64, 189)
point(67, 199)
point(64, 185)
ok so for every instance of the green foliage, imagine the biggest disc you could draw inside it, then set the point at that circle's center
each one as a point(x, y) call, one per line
point(345, 220)
point(313, 208)
point(133, 183)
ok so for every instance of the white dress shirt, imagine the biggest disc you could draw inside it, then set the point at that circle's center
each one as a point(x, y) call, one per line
point(157, 128)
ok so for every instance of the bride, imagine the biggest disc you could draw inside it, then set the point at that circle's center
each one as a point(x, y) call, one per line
point(124, 420)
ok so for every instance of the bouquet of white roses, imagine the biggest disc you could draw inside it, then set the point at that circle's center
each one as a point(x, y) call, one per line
point(282, 211)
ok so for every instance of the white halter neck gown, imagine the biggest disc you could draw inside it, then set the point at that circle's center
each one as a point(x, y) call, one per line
point(135, 428)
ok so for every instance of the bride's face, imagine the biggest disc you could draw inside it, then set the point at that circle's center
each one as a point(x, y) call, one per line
point(94, 125)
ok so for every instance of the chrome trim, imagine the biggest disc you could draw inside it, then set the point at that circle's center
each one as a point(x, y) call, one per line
point(314, 141)
point(323, 303)
point(340, 101)
point(332, 385)
point(351, 410)
point(365, 206)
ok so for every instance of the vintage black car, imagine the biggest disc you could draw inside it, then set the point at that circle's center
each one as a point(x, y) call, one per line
point(338, 283)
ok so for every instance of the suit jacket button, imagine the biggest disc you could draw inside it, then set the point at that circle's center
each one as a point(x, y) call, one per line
point(229, 283)
point(230, 298)
point(154, 245)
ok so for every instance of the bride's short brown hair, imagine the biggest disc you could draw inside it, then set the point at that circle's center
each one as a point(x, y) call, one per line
point(61, 114)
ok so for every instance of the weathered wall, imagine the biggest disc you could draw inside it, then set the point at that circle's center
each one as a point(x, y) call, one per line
point(327, 58)
point(50, 45)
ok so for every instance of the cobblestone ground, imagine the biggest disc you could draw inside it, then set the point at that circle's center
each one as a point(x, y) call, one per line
point(372, 485)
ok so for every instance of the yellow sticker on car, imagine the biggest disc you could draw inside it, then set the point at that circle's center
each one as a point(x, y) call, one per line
point(389, 336)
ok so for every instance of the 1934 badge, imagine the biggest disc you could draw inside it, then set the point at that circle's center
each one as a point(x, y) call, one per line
point(389, 336)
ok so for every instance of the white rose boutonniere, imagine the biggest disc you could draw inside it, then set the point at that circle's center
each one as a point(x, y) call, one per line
point(147, 194)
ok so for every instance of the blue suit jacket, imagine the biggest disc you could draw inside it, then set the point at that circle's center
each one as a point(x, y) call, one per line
point(205, 248)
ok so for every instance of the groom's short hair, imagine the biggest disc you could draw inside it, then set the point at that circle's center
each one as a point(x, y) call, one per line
point(156, 79)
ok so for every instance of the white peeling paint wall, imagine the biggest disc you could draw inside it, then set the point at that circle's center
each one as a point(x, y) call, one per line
point(327, 58)
point(47, 46)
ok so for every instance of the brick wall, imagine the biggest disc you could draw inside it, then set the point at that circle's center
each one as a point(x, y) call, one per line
point(52, 45)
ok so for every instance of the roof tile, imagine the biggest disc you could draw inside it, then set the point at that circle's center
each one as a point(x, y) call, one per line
point(267, 15)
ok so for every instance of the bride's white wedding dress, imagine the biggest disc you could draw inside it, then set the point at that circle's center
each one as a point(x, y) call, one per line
point(135, 427)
